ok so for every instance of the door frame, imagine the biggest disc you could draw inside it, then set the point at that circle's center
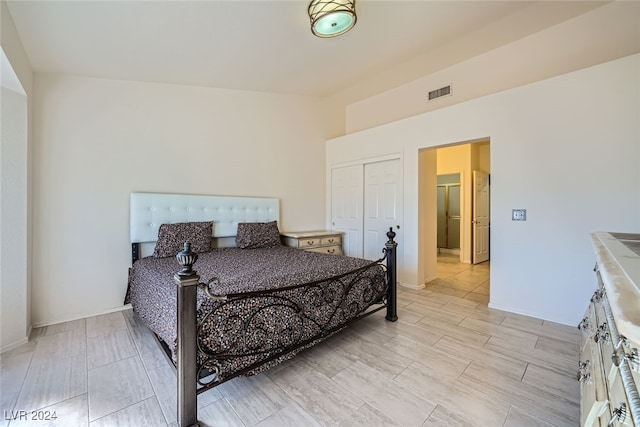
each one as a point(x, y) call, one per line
point(426, 213)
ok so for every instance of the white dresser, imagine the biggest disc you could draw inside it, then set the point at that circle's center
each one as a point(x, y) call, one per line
point(325, 241)
point(609, 367)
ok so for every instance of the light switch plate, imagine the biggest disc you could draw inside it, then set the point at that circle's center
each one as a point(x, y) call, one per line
point(518, 214)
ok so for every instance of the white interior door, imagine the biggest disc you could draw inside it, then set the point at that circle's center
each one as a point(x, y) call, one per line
point(480, 217)
point(382, 205)
point(346, 207)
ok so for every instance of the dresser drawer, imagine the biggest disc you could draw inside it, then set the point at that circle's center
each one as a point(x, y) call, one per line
point(309, 243)
point(331, 240)
point(323, 241)
point(603, 336)
point(332, 250)
point(611, 339)
point(587, 326)
point(593, 387)
point(618, 408)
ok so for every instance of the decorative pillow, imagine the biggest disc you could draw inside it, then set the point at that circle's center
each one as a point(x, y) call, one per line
point(171, 238)
point(252, 235)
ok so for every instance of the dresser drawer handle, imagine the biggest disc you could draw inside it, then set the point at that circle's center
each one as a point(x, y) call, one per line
point(619, 414)
point(330, 240)
point(584, 377)
point(602, 334)
point(330, 251)
point(583, 374)
point(584, 324)
point(597, 295)
point(309, 242)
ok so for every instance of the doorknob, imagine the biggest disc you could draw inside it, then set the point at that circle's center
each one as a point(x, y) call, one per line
point(398, 227)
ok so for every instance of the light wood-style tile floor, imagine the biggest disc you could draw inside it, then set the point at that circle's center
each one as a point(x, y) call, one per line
point(448, 361)
point(462, 280)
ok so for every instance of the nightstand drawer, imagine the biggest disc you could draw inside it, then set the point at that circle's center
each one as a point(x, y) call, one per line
point(309, 243)
point(331, 240)
point(332, 250)
point(323, 241)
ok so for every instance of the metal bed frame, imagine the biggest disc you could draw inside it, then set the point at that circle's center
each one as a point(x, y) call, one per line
point(194, 361)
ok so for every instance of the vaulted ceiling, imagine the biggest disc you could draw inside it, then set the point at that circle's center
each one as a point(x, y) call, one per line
point(267, 45)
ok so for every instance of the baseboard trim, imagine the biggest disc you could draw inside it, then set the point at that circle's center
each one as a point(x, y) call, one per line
point(528, 314)
point(70, 319)
point(412, 286)
point(13, 345)
point(430, 279)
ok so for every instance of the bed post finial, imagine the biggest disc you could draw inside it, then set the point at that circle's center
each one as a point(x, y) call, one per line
point(391, 235)
point(390, 251)
point(186, 259)
point(187, 281)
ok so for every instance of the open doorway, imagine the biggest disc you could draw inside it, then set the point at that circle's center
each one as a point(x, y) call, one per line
point(456, 265)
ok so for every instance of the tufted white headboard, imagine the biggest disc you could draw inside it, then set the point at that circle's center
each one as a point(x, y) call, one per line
point(149, 210)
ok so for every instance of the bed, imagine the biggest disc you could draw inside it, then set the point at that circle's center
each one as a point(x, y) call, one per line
point(243, 303)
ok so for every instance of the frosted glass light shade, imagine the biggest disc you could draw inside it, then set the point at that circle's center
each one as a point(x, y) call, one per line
point(330, 18)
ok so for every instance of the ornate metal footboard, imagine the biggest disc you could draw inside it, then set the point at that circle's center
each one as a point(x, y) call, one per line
point(249, 332)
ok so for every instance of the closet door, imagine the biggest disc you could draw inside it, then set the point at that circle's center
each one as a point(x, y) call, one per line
point(346, 207)
point(382, 205)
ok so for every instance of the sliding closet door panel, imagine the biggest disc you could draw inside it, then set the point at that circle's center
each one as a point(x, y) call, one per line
point(382, 201)
point(347, 207)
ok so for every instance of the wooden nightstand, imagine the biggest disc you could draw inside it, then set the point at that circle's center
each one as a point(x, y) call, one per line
point(324, 241)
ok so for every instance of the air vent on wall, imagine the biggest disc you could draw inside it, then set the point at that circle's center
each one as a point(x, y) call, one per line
point(443, 91)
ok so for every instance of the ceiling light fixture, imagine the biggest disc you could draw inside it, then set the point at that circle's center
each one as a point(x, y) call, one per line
point(330, 18)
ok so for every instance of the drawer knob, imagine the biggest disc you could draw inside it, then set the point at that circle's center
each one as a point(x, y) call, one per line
point(309, 242)
point(619, 414)
point(615, 359)
point(632, 357)
point(330, 240)
point(330, 251)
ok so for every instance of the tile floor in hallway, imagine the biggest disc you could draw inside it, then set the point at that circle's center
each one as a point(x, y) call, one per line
point(462, 280)
point(448, 361)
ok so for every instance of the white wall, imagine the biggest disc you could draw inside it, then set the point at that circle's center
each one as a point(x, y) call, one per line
point(16, 194)
point(14, 324)
point(563, 148)
point(98, 140)
point(600, 35)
